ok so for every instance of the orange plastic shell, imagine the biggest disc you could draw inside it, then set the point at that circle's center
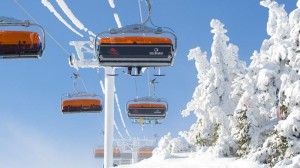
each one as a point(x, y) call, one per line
point(80, 104)
point(135, 40)
point(14, 37)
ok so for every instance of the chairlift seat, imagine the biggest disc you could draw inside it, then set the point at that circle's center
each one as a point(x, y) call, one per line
point(135, 51)
point(20, 44)
point(81, 105)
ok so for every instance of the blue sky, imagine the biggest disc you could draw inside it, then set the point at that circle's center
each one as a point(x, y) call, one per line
point(30, 118)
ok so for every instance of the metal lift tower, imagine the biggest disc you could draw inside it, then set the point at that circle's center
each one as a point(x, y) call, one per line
point(82, 48)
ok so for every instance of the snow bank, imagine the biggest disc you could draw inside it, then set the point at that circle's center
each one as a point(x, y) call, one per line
point(195, 160)
point(168, 146)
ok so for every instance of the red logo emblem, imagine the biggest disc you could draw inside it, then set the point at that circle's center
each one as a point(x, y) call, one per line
point(113, 51)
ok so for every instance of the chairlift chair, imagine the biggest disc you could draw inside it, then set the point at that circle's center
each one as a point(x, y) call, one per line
point(15, 44)
point(81, 103)
point(147, 108)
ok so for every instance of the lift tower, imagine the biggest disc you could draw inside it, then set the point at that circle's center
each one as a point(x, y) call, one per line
point(82, 48)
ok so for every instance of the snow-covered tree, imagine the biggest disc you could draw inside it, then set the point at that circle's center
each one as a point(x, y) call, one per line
point(211, 101)
point(271, 92)
point(286, 132)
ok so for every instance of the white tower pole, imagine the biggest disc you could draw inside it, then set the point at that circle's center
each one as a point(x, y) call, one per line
point(109, 117)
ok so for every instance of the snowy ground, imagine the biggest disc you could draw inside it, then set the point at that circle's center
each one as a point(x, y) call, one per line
point(195, 160)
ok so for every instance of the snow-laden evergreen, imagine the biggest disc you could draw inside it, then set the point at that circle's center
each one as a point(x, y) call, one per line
point(250, 112)
point(211, 101)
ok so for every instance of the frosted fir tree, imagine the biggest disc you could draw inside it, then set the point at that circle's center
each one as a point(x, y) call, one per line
point(270, 91)
point(282, 143)
point(257, 110)
point(211, 101)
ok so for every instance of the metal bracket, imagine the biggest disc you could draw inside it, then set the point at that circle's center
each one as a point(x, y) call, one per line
point(82, 48)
